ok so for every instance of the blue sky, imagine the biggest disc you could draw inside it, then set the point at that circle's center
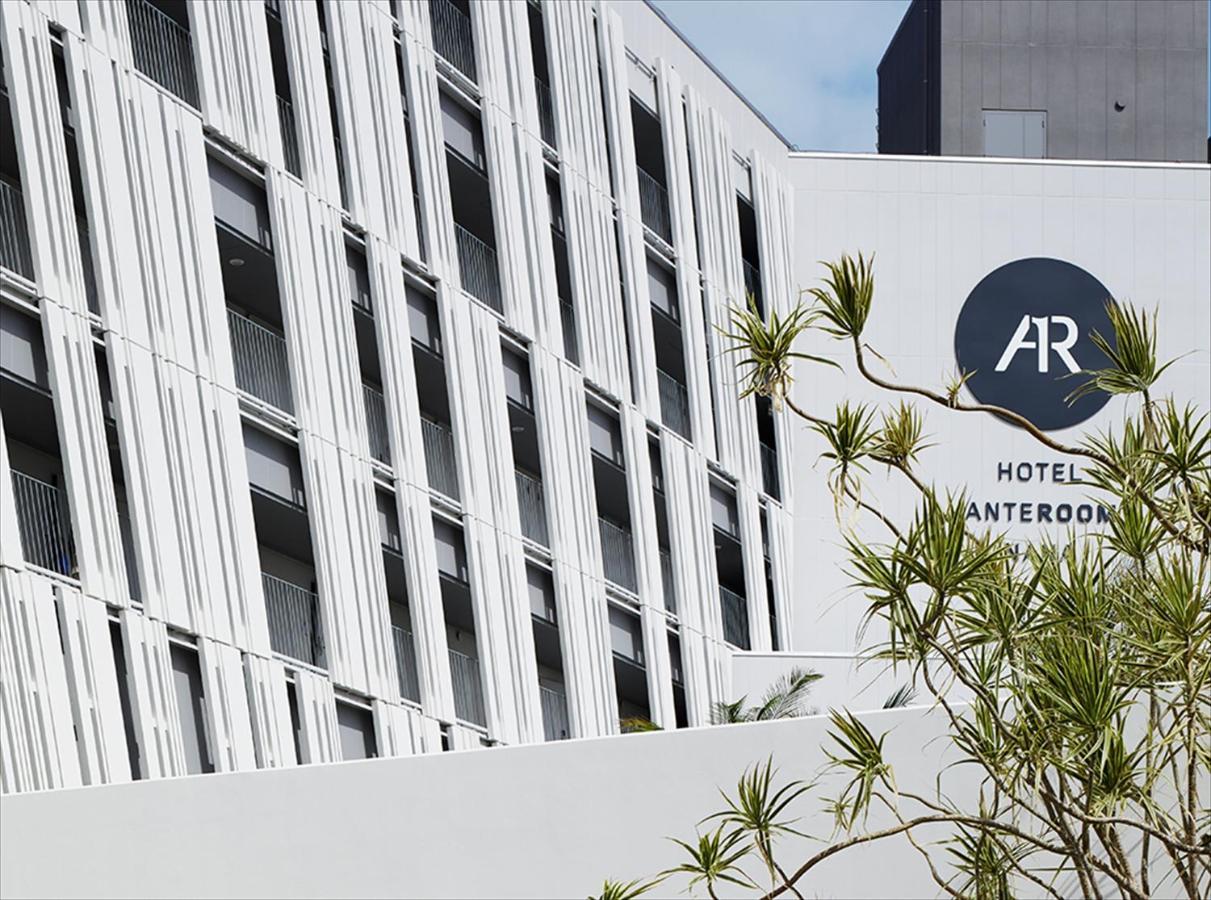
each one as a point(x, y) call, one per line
point(808, 66)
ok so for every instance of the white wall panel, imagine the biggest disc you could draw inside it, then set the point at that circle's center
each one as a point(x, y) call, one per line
point(312, 119)
point(153, 700)
point(92, 680)
point(754, 567)
point(229, 725)
point(235, 75)
point(786, 593)
point(37, 747)
point(269, 709)
point(319, 736)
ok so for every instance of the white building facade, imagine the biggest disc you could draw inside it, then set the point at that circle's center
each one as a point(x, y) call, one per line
point(362, 392)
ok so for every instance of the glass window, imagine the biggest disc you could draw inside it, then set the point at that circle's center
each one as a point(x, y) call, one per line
point(422, 319)
point(542, 593)
point(22, 352)
point(626, 635)
point(273, 466)
point(239, 204)
point(451, 553)
point(356, 724)
point(187, 681)
point(388, 520)
point(723, 510)
point(359, 277)
point(462, 131)
point(517, 379)
point(605, 435)
point(662, 288)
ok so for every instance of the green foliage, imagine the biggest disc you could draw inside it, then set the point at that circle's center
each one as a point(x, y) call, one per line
point(636, 725)
point(766, 349)
point(844, 302)
point(625, 890)
point(784, 699)
point(903, 695)
point(1131, 350)
point(715, 857)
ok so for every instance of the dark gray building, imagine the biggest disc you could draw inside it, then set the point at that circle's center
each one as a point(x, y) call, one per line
point(1065, 79)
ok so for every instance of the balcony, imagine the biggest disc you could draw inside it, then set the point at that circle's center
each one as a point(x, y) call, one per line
point(554, 714)
point(735, 618)
point(769, 471)
point(290, 137)
point(376, 424)
point(452, 36)
point(617, 555)
point(260, 362)
point(531, 508)
point(546, 112)
point(405, 664)
point(43, 522)
point(666, 581)
point(14, 233)
point(468, 692)
point(674, 403)
point(477, 266)
point(439, 457)
point(294, 621)
point(752, 284)
point(162, 49)
point(654, 206)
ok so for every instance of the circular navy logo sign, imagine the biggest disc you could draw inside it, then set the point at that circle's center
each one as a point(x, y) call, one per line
point(1025, 332)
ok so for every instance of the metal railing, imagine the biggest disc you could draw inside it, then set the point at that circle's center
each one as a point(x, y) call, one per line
point(376, 424)
point(405, 664)
point(439, 457)
point(14, 232)
point(531, 508)
point(260, 361)
point(477, 268)
point(290, 137)
point(769, 471)
point(554, 714)
point(735, 618)
point(674, 403)
point(654, 206)
point(86, 261)
point(294, 620)
point(617, 555)
point(666, 581)
point(752, 283)
point(42, 520)
point(468, 691)
point(571, 347)
point(162, 49)
point(452, 36)
point(546, 111)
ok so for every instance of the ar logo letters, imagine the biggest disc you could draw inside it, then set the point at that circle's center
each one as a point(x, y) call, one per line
point(1024, 331)
point(1043, 343)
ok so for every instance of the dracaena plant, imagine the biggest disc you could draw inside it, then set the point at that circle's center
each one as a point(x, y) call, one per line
point(1073, 673)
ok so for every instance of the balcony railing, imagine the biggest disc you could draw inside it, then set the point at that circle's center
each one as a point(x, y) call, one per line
point(674, 403)
point(617, 555)
point(546, 111)
point(14, 233)
point(531, 508)
point(735, 618)
point(554, 714)
point(439, 457)
point(468, 691)
point(376, 424)
point(769, 471)
point(452, 36)
point(571, 347)
point(752, 283)
point(163, 49)
point(654, 206)
point(290, 137)
point(666, 581)
point(294, 620)
point(43, 522)
point(405, 664)
point(477, 266)
point(260, 362)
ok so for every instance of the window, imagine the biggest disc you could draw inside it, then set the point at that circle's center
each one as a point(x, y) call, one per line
point(462, 132)
point(422, 320)
point(22, 352)
point(1015, 132)
point(359, 277)
point(542, 593)
point(388, 521)
point(239, 204)
point(723, 510)
point(517, 379)
point(662, 289)
point(187, 682)
point(605, 435)
point(273, 466)
point(626, 635)
point(356, 725)
point(451, 554)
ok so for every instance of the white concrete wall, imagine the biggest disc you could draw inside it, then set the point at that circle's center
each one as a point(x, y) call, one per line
point(936, 227)
point(538, 821)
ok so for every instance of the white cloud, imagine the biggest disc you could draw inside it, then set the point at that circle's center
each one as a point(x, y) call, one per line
point(808, 66)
